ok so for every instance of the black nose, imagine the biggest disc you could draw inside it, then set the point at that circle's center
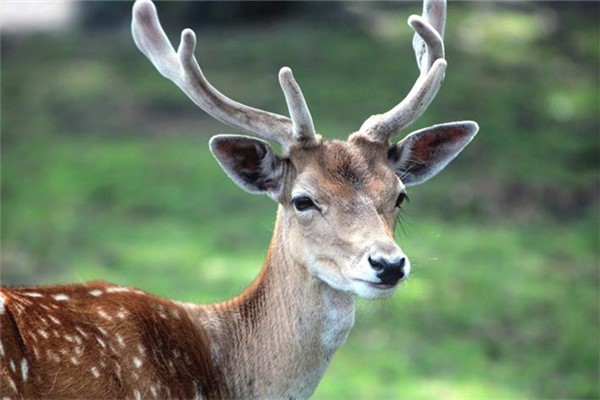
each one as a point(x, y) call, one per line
point(389, 271)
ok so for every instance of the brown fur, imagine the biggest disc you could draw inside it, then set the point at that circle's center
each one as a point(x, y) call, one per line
point(71, 343)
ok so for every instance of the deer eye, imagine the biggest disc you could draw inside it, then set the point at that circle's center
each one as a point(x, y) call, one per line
point(401, 198)
point(303, 203)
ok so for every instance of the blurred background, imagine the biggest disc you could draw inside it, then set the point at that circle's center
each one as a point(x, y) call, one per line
point(106, 174)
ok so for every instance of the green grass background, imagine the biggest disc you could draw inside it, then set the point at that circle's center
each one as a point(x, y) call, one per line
point(106, 174)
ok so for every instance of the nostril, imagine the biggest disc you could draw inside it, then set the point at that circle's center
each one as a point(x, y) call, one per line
point(400, 264)
point(401, 273)
point(376, 265)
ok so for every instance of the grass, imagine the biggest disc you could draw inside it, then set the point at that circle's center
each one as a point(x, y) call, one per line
point(106, 174)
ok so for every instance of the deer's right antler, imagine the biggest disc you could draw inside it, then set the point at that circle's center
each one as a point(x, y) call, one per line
point(182, 68)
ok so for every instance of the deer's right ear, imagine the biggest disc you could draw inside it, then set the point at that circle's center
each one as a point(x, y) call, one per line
point(249, 162)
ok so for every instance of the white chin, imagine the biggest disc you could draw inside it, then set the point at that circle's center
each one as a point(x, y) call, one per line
point(373, 291)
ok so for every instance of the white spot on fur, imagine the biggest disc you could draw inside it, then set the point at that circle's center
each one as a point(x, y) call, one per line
point(120, 340)
point(103, 314)
point(102, 331)
point(33, 294)
point(12, 384)
point(118, 290)
point(101, 342)
point(1, 304)
point(24, 370)
point(122, 313)
point(95, 292)
point(153, 391)
point(60, 297)
point(137, 362)
point(141, 349)
point(161, 311)
point(1, 350)
point(53, 356)
point(95, 372)
point(75, 360)
point(137, 394)
point(81, 331)
point(43, 333)
point(13, 366)
point(54, 319)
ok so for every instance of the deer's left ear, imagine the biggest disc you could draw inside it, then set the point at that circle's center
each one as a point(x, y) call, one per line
point(424, 153)
point(250, 162)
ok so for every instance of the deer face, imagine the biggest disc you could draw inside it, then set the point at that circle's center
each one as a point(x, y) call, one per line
point(340, 207)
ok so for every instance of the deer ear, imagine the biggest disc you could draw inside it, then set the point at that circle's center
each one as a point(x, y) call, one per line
point(249, 162)
point(424, 153)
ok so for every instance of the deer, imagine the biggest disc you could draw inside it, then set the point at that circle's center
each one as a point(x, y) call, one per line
point(333, 241)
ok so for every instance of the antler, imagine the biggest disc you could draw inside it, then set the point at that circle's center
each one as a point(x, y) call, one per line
point(182, 68)
point(428, 45)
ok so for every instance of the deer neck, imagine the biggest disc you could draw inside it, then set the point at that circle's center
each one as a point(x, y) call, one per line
point(277, 338)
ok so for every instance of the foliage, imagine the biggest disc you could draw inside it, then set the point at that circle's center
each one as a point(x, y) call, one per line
point(106, 174)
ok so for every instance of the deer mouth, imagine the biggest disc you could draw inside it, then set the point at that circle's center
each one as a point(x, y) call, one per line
point(382, 286)
point(378, 285)
point(368, 289)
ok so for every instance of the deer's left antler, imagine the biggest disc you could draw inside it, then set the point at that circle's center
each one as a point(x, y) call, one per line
point(428, 45)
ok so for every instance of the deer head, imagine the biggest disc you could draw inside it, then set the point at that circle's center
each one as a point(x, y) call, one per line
point(338, 201)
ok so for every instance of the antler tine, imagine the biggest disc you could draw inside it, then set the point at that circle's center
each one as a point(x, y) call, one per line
point(303, 127)
point(182, 68)
point(434, 12)
point(429, 51)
